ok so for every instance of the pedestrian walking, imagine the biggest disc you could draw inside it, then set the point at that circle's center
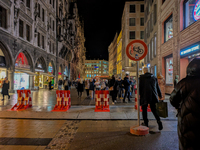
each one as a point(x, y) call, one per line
point(176, 80)
point(97, 84)
point(103, 85)
point(50, 84)
point(91, 88)
point(80, 87)
point(161, 83)
point(66, 84)
point(126, 84)
point(112, 87)
point(186, 99)
point(149, 92)
point(5, 88)
point(87, 87)
point(133, 83)
point(60, 83)
point(121, 88)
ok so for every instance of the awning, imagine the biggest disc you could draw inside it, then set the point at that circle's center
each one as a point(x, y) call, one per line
point(46, 74)
point(28, 72)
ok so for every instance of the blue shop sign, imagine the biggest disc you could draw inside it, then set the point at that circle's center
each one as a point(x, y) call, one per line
point(190, 50)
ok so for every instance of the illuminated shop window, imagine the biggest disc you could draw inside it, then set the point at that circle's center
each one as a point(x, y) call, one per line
point(169, 70)
point(168, 28)
point(191, 12)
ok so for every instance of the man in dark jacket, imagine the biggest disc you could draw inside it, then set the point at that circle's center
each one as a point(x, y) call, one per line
point(121, 88)
point(149, 92)
point(186, 99)
point(127, 84)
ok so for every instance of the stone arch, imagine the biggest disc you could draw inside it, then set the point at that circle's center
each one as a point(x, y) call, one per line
point(7, 54)
point(42, 61)
point(29, 58)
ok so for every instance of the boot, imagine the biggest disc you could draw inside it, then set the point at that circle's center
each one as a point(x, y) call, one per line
point(160, 126)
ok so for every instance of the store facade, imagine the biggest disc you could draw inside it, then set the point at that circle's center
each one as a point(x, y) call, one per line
point(179, 38)
point(23, 75)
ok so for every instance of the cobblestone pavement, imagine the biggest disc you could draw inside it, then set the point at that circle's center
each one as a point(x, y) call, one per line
point(24, 134)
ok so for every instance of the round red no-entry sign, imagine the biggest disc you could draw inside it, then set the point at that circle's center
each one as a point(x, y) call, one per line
point(136, 50)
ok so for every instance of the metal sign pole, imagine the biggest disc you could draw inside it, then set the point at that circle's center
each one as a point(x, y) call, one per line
point(138, 101)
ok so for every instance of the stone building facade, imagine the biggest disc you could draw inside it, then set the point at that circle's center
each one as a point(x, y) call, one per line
point(178, 38)
point(33, 49)
point(132, 28)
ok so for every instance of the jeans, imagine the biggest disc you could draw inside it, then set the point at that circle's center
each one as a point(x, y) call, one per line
point(153, 110)
point(121, 92)
point(59, 87)
point(127, 92)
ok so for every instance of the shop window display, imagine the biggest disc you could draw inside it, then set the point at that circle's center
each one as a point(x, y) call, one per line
point(21, 81)
point(168, 28)
point(191, 12)
point(169, 70)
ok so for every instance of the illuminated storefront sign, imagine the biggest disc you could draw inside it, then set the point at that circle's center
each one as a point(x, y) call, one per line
point(21, 61)
point(189, 50)
point(197, 11)
point(39, 70)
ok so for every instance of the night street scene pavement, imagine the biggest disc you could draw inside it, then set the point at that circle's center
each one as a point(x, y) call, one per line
point(99, 74)
point(80, 127)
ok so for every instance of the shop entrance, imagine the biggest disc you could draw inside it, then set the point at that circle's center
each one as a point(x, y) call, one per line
point(3, 70)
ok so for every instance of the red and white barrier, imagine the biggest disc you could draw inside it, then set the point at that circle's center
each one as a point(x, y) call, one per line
point(24, 100)
point(63, 100)
point(102, 101)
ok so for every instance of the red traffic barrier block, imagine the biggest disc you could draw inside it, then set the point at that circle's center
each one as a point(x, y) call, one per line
point(24, 100)
point(63, 101)
point(102, 101)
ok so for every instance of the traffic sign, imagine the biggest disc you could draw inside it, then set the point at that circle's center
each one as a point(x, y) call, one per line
point(136, 50)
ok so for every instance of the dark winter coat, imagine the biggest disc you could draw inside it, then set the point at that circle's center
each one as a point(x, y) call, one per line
point(126, 83)
point(186, 98)
point(112, 82)
point(120, 84)
point(148, 89)
point(80, 87)
point(5, 88)
point(91, 85)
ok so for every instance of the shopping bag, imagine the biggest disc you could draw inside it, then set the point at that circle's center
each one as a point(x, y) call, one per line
point(111, 88)
point(162, 109)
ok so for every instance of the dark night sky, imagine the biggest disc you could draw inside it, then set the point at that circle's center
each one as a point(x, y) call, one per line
point(102, 19)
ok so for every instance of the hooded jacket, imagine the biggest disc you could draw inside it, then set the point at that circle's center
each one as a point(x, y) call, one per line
point(126, 83)
point(148, 89)
point(186, 98)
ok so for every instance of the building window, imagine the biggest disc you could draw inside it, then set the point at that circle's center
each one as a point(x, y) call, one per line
point(50, 46)
point(131, 21)
point(42, 41)
point(141, 21)
point(132, 34)
point(163, 1)
point(28, 3)
point(21, 28)
point(142, 8)
point(169, 70)
point(3, 16)
point(39, 10)
point(190, 13)
point(53, 3)
point(155, 13)
point(132, 8)
point(168, 28)
point(152, 48)
point(50, 22)
point(49, 1)
point(53, 49)
point(28, 33)
point(53, 26)
point(141, 34)
point(38, 39)
point(42, 14)
point(155, 45)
